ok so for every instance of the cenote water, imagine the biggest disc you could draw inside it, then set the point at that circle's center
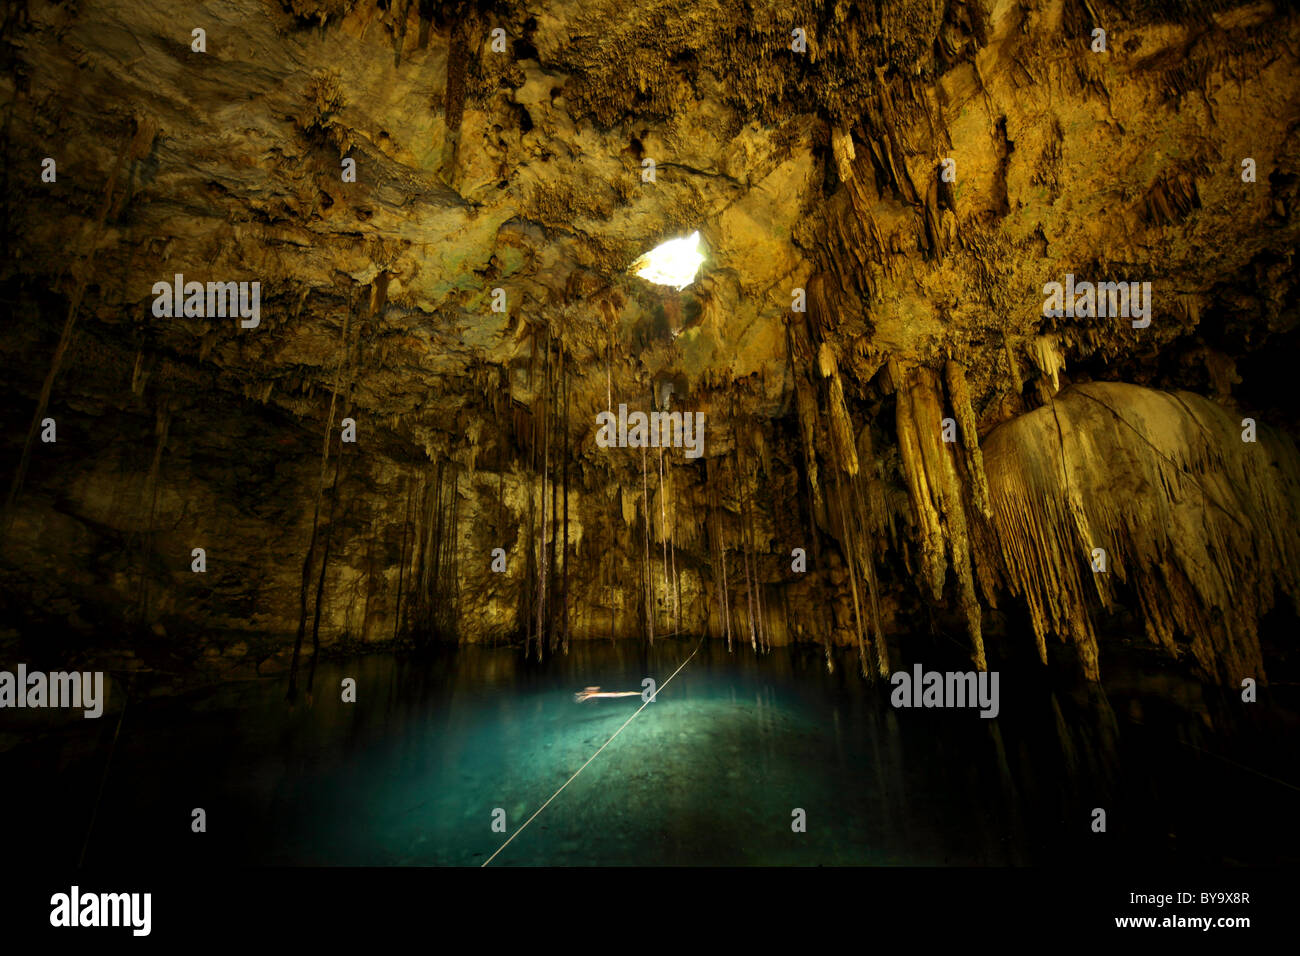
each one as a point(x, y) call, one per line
point(710, 773)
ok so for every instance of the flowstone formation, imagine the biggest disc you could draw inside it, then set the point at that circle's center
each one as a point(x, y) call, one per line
point(443, 209)
point(1200, 524)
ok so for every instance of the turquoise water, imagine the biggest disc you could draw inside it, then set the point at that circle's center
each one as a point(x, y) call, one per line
point(709, 773)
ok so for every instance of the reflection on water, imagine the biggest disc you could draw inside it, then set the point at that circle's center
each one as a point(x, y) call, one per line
point(710, 773)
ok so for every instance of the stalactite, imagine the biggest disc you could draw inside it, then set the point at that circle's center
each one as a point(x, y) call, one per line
point(764, 635)
point(436, 577)
point(873, 587)
point(1199, 525)
point(856, 543)
point(552, 567)
point(929, 534)
point(1013, 366)
point(749, 591)
point(370, 579)
point(453, 563)
point(532, 512)
point(1046, 355)
point(801, 359)
point(751, 572)
point(677, 584)
point(539, 633)
point(502, 446)
point(744, 542)
point(806, 403)
point(853, 583)
point(324, 562)
point(449, 576)
point(763, 616)
point(717, 542)
point(749, 562)
point(846, 453)
point(663, 523)
point(649, 578)
point(821, 315)
point(932, 479)
point(546, 464)
point(430, 555)
point(350, 356)
point(959, 396)
point(403, 557)
point(426, 538)
point(960, 549)
point(567, 624)
point(877, 512)
point(726, 602)
point(309, 559)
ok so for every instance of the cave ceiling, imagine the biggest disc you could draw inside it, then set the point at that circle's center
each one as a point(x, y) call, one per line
point(523, 170)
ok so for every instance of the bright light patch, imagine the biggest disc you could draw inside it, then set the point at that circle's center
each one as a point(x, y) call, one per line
point(673, 263)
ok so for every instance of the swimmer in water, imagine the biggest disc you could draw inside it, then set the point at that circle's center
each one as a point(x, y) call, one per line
point(589, 692)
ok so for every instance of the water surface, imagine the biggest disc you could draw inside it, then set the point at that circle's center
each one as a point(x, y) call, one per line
point(710, 773)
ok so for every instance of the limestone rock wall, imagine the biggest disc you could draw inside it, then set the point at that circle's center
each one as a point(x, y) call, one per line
point(441, 220)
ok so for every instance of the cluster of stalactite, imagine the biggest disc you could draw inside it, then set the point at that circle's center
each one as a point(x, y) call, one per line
point(858, 518)
point(869, 159)
point(933, 472)
point(1197, 525)
point(434, 599)
point(741, 603)
point(544, 607)
point(716, 573)
point(655, 514)
point(325, 539)
point(1107, 486)
point(532, 439)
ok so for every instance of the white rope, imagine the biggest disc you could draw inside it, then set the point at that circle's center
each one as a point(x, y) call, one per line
point(596, 754)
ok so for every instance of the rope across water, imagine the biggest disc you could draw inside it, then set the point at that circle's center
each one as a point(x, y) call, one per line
point(657, 692)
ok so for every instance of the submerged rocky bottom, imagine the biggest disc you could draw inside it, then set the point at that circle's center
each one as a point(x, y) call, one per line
point(712, 772)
